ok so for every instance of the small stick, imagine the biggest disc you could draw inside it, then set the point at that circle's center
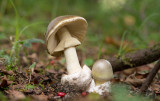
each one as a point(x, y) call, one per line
point(137, 58)
point(150, 77)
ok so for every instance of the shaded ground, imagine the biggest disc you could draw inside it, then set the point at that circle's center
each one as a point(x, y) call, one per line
point(37, 77)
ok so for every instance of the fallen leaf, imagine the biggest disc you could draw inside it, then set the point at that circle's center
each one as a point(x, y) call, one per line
point(143, 69)
point(6, 72)
point(156, 88)
point(3, 84)
point(15, 95)
point(36, 46)
point(33, 56)
point(129, 71)
point(134, 81)
point(112, 41)
point(141, 76)
point(40, 97)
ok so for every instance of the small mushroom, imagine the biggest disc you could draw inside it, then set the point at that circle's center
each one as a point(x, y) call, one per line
point(64, 33)
point(101, 72)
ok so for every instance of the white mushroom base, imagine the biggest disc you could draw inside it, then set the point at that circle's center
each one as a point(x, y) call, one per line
point(82, 79)
point(100, 89)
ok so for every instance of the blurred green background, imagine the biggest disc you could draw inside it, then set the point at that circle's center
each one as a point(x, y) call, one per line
point(114, 26)
point(137, 21)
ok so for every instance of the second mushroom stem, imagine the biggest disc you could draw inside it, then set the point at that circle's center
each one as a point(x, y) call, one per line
point(71, 57)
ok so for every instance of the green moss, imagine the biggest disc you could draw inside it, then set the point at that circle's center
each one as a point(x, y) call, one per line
point(127, 61)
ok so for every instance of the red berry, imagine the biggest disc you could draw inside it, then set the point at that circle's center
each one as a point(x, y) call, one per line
point(61, 94)
point(52, 62)
point(83, 93)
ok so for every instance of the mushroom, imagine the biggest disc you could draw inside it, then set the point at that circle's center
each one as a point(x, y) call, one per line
point(101, 72)
point(63, 34)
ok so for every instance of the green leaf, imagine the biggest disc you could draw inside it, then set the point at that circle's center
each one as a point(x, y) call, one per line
point(27, 43)
point(33, 65)
point(88, 61)
point(29, 86)
point(121, 49)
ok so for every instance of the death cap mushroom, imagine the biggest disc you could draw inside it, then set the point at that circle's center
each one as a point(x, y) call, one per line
point(102, 71)
point(77, 27)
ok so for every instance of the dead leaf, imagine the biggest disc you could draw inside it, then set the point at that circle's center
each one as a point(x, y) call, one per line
point(115, 42)
point(141, 76)
point(40, 97)
point(156, 88)
point(36, 80)
point(3, 83)
point(120, 76)
point(25, 60)
point(112, 41)
point(33, 56)
point(16, 95)
point(129, 71)
point(6, 72)
point(36, 46)
point(51, 71)
point(142, 69)
point(115, 80)
point(134, 81)
point(18, 86)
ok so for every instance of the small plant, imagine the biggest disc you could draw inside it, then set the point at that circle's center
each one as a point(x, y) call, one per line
point(100, 49)
point(32, 69)
point(121, 93)
point(11, 67)
point(41, 85)
point(4, 58)
point(13, 58)
point(11, 77)
point(15, 47)
point(122, 48)
point(29, 86)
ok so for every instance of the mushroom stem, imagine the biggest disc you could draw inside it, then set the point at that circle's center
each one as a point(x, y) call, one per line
point(71, 57)
point(72, 62)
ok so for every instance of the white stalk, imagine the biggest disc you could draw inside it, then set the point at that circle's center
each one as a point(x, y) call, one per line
point(71, 57)
point(72, 62)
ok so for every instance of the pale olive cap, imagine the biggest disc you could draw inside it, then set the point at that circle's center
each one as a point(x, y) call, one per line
point(76, 25)
point(102, 70)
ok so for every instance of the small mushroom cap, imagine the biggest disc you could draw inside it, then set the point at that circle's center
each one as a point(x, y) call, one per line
point(102, 70)
point(77, 26)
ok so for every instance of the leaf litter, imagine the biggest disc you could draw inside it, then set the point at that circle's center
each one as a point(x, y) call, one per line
point(38, 76)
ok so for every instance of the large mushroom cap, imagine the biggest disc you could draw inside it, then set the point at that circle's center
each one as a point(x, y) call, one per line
point(77, 26)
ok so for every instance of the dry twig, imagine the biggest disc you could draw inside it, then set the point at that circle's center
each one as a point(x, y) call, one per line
point(137, 58)
point(150, 77)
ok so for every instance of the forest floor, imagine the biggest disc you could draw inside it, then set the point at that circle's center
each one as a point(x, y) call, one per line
point(37, 78)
